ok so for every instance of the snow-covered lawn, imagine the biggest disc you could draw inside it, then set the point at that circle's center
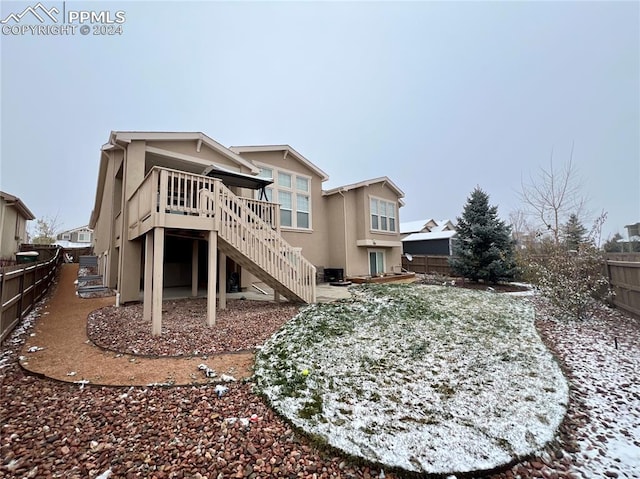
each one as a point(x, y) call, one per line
point(424, 378)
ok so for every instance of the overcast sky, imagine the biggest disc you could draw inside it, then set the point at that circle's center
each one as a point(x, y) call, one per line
point(439, 96)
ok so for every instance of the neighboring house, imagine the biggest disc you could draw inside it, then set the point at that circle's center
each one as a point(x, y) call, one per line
point(83, 234)
point(428, 237)
point(180, 209)
point(633, 232)
point(14, 215)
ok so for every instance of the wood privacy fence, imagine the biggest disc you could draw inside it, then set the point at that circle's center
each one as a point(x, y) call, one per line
point(427, 264)
point(623, 270)
point(21, 287)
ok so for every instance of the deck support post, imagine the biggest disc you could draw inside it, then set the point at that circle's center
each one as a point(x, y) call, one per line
point(148, 277)
point(212, 271)
point(222, 279)
point(158, 258)
point(194, 268)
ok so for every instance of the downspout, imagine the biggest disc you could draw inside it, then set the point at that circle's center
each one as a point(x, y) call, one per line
point(346, 243)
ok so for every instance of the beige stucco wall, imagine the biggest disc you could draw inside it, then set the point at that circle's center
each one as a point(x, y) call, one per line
point(338, 231)
point(13, 225)
point(357, 227)
point(104, 231)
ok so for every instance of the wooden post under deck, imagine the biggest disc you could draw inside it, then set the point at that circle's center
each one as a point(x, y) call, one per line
point(158, 257)
point(211, 280)
point(148, 277)
point(222, 279)
point(194, 269)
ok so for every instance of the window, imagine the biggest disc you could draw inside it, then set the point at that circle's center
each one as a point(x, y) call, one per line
point(376, 262)
point(83, 237)
point(383, 215)
point(284, 180)
point(292, 192)
point(302, 215)
point(286, 206)
point(66, 236)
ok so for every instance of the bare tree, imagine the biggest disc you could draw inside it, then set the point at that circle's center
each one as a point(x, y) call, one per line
point(520, 228)
point(46, 229)
point(553, 195)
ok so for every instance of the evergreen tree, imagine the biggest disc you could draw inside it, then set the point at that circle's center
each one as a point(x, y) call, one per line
point(574, 232)
point(613, 244)
point(484, 249)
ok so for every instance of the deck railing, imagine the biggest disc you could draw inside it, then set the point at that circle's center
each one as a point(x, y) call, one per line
point(179, 192)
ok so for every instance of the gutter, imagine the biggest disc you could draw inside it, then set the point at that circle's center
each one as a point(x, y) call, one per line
point(346, 243)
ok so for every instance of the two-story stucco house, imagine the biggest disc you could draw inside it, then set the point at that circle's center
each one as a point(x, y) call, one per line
point(180, 209)
point(14, 215)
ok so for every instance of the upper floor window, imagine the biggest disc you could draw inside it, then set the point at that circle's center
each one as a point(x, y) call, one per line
point(383, 215)
point(292, 191)
point(83, 237)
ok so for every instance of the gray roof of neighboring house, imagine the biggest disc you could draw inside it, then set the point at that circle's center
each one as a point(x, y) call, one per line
point(430, 236)
point(73, 230)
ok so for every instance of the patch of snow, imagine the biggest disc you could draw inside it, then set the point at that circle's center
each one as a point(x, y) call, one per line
point(208, 372)
point(220, 390)
point(82, 383)
point(428, 379)
point(105, 475)
point(607, 379)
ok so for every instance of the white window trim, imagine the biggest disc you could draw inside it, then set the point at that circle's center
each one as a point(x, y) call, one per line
point(395, 215)
point(275, 188)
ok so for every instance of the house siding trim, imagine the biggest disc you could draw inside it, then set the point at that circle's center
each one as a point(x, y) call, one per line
point(379, 243)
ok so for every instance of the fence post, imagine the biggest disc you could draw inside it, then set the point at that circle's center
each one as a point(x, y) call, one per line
point(21, 289)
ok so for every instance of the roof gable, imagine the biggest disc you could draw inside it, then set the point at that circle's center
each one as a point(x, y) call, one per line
point(362, 184)
point(18, 204)
point(288, 151)
point(199, 137)
point(426, 226)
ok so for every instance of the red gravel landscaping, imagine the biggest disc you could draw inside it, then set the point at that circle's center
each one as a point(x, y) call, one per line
point(52, 429)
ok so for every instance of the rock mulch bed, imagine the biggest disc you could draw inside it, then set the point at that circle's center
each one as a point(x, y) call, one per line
point(50, 429)
point(242, 326)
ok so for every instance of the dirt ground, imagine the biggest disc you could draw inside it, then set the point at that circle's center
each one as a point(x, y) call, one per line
point(69, 356)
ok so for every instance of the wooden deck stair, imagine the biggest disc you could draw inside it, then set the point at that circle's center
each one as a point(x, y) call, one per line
point(257, 247)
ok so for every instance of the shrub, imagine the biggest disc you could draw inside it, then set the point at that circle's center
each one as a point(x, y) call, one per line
point(571, 280)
